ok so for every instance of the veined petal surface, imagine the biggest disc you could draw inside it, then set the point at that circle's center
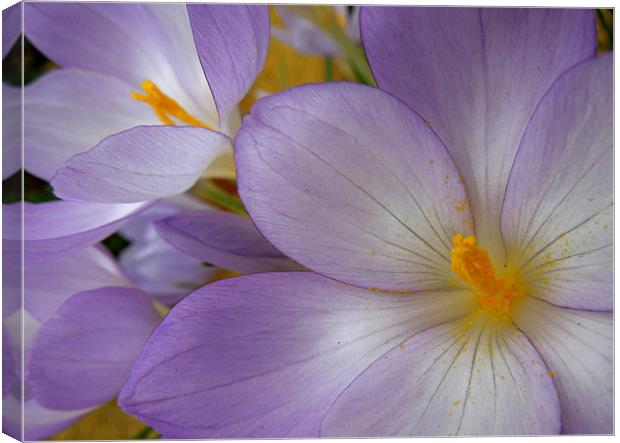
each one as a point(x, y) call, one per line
point(232, 43)
point(351, 183)
point(479, 377)
point(578, 348)
point(264, 355)
point(223, 239)
point(55, 228)
point(140, 164)
point(82, 355)
point(557, 215)
point(476, 76)
point(69, 111)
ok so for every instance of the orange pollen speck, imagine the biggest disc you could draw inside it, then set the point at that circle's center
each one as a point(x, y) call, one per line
point(165, 107)
point(472, 265)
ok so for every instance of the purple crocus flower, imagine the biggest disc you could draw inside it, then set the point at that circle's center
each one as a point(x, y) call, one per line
point(83, 326)
point(136, 66)
point(460, 236)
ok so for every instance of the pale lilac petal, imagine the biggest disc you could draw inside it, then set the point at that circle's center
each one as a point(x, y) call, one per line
point(578, 348)
point(10, 365)
point(140, 164)
point(264, 355)
point(557, 216)
point(39, 422)
point(11, 130)
point(132, 42)
point(454, 379)
point(152, 264)
point(55, 228)
point(11, 283)
point(476, 75)
point(49, 283)
point(163, 271)
point(226, 240)
point(69, 111)
point(232, 42)
point(141, 225)
point(351, 183)
point(82, 355)
point(11, 27)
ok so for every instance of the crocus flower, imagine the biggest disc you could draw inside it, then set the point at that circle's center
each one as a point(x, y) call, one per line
point(147, 67)
point(307, 38)
point(155, 266)
point(227, 240)
point(83, 326)
point(465, 230)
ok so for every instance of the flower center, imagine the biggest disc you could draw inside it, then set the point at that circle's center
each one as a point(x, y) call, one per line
point(165, 107)
point(472, 265)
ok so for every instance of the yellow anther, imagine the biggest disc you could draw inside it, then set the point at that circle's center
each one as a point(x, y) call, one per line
point(165, 107)
point(472, 265)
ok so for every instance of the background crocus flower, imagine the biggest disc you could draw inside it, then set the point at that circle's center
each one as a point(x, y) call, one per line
point(126, 66)
point(155, 266)
point(83, 326)
point(227, 240)
point(307, 38)
point(473, 237)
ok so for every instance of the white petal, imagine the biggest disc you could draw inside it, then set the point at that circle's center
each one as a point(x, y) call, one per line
point(474, 376)
point(578, 347)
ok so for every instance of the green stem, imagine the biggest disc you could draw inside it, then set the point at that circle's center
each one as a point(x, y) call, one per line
point(145, 433)
point(212, 192)
point(329, 68)
point(353, 54)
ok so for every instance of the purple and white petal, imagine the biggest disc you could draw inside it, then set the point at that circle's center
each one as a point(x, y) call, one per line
point(476, 76)
point(557, 215)
point(82, 355)
point(49, 283)
point(55, 228)
point(162, 270)
point(264, 355)
point(11, 27)
point(69, 111)
point(460, 378)
point(140, 164)
point(152, 264)
point(132, 42)
point(232, 43)
point(349, 182)
point(39, 422)
point(141, 225)
point(578, 348)
point(11, 130)
point(226, 240)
